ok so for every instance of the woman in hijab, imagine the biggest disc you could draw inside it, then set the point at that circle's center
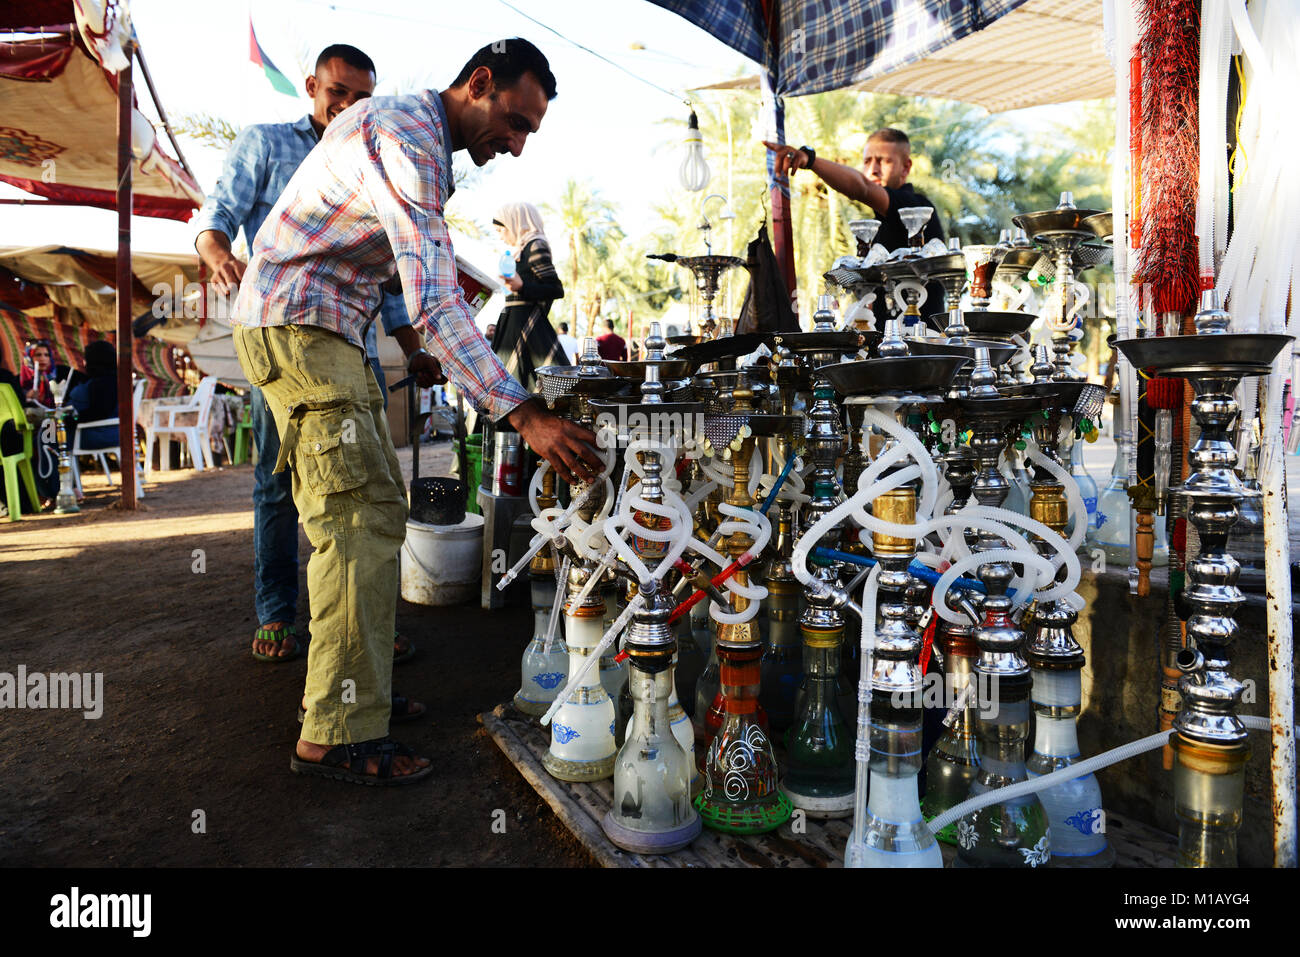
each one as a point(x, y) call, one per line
point(37, 372)
point(524, 339)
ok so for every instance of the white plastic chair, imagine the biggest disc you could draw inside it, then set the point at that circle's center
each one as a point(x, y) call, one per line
point(103, 452)
point(163, 425)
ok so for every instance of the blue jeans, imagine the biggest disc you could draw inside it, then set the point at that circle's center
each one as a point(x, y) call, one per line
point(378, 370)
point(275, 524)
point(275, 519)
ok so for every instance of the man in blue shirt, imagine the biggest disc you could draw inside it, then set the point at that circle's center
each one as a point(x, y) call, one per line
point(257, 169)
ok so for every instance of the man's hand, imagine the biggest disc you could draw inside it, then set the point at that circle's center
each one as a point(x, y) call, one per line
point(566, 445)
point(213, 247)
point(514, 283)
point(227, 276)
point(426, 369)
point(788, 158)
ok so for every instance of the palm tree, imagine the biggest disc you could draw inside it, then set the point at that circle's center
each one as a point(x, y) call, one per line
point(585, 216)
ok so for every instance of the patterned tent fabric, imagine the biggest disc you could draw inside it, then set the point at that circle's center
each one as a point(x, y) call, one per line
point(58, 139)
point(152, 358)
point(830, 44)
point(1045, 51)
point(83, 282)
point(66, 295)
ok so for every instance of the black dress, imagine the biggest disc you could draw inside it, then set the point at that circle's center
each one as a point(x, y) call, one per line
point(525, 340)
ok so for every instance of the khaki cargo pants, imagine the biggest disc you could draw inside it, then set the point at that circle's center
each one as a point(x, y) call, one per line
point(348, 488)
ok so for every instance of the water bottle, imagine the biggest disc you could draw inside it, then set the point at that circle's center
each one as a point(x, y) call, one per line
point(506, 265)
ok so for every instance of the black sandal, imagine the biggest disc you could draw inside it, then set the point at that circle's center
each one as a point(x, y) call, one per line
point(401, 711)
point(331, 764)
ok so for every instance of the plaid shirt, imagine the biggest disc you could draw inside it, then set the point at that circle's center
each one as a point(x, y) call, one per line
point(373, 193)
point(257, 169)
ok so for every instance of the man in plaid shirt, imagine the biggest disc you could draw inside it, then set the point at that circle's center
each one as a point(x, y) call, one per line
point(257, 169)
point(366, 206)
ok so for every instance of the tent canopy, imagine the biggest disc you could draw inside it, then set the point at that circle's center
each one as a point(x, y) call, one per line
point(1044, 51)
point(58, 124)
point(827, 46)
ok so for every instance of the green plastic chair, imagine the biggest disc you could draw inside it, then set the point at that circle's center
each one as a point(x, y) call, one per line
point(19, 463)
point(243, 438)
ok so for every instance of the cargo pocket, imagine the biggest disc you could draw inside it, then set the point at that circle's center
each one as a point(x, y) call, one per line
point(329, 457)
point(254, 355)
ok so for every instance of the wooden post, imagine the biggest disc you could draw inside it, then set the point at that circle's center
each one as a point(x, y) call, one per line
point(125, 409)
point(782, 229)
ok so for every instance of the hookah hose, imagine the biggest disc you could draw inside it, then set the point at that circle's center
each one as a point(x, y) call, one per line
point(720, 579)
point(916, 569)
point(554, 520)
point(1068, 773)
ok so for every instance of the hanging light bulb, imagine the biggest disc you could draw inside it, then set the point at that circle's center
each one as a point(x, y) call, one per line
point(694, 172)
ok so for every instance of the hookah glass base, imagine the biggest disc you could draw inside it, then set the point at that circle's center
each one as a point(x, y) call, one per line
point(577, 771)
point(755, 819)
point(824, 808)
point(645, 842)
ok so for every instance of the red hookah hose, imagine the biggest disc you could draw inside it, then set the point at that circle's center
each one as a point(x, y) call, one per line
point(716, 581)
point(928, 644)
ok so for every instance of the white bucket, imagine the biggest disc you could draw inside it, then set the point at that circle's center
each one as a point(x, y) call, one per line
point(442, 564)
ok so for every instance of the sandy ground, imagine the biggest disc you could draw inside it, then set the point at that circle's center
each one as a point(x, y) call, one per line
point(191, 722)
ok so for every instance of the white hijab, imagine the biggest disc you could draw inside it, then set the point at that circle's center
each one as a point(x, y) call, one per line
point(521, 223)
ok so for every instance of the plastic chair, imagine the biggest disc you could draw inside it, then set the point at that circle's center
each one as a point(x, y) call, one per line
point(102, 453)
point(18, 464)
point(243, 437)
point(163, 425)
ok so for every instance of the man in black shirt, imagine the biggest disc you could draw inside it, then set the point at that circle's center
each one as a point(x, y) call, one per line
point(881, 183)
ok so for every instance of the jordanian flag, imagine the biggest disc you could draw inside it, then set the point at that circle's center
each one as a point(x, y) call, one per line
point(258, 56)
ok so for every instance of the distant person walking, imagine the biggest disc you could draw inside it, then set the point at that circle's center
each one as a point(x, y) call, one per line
point(569, 344)
point(611, 345)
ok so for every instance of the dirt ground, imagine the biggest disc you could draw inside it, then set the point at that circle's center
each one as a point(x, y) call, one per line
point(191, 722)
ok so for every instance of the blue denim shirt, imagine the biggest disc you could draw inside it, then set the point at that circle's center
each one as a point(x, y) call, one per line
point(259, 165)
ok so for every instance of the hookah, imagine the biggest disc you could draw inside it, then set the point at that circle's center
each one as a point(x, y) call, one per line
point(818, 351)
point(888, 828)
point(1012, 833)
point(1056, 659)
point(542, 669)
point(706, 270)
point(740, 792)
point(65, 503)
point(1060, 232)
point(781, 662)
point(652, 811)
point(819, 768)
point(582, 736)
point(1210, 740)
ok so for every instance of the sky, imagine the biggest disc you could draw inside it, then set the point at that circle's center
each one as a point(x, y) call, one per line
point(605, 125)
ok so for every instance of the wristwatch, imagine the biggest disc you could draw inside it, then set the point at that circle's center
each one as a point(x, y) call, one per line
point(812, 155)
point(411, 357)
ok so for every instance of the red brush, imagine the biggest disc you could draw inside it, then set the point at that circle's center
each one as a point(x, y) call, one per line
point(1170, 48)
point(1165, 393)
